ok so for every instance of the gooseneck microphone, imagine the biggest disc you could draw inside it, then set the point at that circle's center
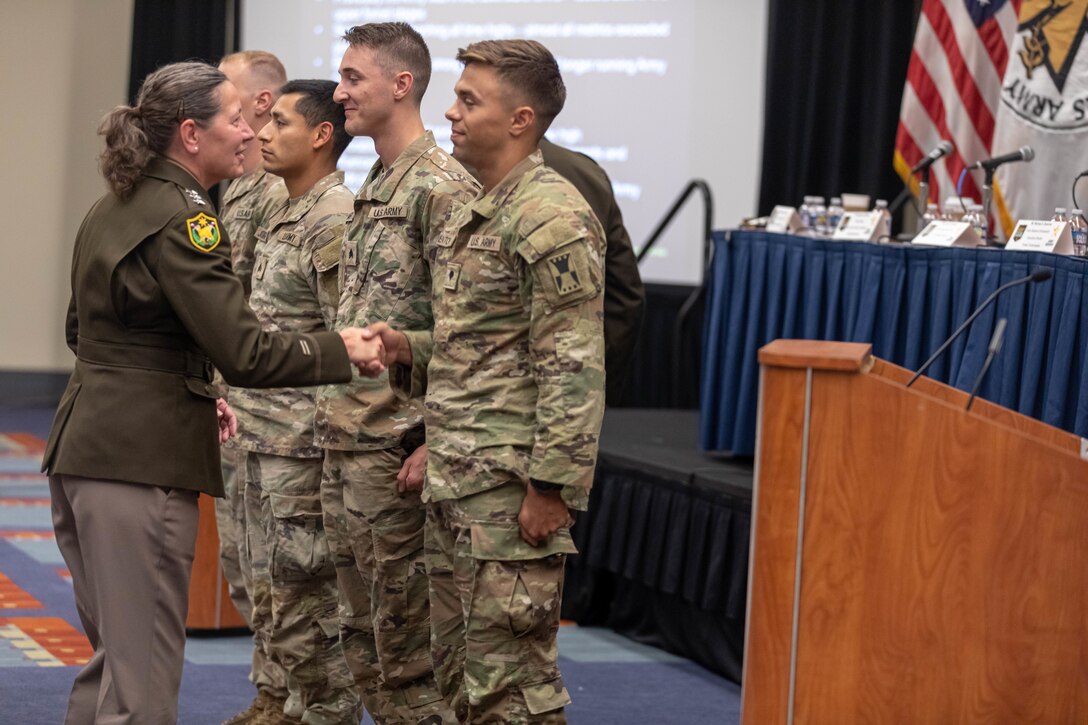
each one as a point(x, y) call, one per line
point(995, 346)
point(1040, 275)
point(1024, 153)
point(940, 150)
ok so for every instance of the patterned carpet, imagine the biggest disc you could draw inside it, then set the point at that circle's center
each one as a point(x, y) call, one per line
point(612, 679)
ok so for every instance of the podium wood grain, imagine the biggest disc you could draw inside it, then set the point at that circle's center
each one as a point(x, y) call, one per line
point(944, 574)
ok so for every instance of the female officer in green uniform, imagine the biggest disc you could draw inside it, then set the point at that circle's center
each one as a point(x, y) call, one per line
point(154, 307)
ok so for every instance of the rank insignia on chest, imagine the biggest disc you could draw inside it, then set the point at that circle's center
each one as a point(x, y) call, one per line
point(351, 257)
point(564, 273)
point(453, 277)
point(203, 232)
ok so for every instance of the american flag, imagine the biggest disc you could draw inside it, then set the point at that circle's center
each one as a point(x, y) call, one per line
point(953, 88)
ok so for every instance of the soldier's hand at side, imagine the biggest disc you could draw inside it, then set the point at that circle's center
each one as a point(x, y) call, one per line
point(411, 473)
point(541, 515)
point(397, 349)
point(228, 423)
point(365, 351)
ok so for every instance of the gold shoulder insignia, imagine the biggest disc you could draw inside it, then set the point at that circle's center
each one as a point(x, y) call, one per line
point(203, 232)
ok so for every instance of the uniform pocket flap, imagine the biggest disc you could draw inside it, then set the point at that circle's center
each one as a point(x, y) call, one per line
point(495, 541)
point(199, 387)
point(327, 249)
point(400, 535)
point(550, 237)
point(330, 627)
point(545, 696)
point(289, 506)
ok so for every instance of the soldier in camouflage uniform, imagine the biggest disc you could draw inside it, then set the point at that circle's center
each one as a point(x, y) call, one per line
point(258, 76)
point(514, 381)
point(246, 204)
point(295, 288)
point(376, 529)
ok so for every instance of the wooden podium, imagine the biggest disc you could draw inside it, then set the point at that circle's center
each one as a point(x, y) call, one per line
point(912, 562)
point(210, 606)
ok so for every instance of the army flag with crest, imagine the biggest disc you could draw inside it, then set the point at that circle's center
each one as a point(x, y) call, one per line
point(1043, 104)
point(954, 87)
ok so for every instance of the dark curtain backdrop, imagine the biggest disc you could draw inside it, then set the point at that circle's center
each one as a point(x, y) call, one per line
point(665, 364)
point(835, 74)
point(166, 31)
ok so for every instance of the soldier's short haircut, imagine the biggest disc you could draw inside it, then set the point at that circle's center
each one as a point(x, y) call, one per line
point(315, 104)
point(265, 68)
point(397, 47)
point(527, 68)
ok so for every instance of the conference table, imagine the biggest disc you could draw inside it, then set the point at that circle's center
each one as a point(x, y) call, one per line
point(905, 300)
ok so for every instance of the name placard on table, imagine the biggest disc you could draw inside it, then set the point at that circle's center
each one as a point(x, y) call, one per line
point(1038, 235)
point(859, 226)
point(784, 220)
point(945, 233)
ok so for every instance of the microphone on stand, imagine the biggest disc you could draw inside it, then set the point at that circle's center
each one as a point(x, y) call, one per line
point(995, 345)
point(1024, 153)
point(1040, 275)
point(942, 149)
point(939, 151)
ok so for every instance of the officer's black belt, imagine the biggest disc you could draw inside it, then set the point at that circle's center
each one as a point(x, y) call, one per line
point(146, 357)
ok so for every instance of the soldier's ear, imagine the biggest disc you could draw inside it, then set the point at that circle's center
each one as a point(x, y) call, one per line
point(403, 83)
point(522, 120)
point(322, 135)
point(263, 103)
point(188, 133)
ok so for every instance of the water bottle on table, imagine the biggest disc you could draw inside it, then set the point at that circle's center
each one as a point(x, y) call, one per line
point(1079, 229)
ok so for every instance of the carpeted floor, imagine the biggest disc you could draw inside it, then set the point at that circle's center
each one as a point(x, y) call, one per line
point(612, 679)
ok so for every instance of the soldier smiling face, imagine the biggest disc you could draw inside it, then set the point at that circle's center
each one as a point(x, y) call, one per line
point(480, 117)
point(366, 91)
point(506, 97)
point(217, 147)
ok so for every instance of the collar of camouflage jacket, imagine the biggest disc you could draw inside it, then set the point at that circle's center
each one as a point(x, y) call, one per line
point(380, 185)
point(244, 184)
point(489, 204)
point(299, 207)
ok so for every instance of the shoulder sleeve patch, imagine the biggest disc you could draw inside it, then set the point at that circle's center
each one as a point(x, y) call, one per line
point(203, 232)
point(550, 237)
point(563, 268)
point(568, 270)
point(327, 249)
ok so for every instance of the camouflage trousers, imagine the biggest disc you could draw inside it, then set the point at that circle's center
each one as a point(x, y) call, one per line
point(230, 519)
point(495, 609)
point(376, 535)
point(294, 588)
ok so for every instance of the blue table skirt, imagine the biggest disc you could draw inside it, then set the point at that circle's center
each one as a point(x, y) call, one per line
point(905, 301)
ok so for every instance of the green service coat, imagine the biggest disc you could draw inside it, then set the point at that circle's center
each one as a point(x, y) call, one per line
point(154, 306)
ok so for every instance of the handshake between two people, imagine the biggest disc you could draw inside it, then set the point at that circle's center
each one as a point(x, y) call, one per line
point(376, 347)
